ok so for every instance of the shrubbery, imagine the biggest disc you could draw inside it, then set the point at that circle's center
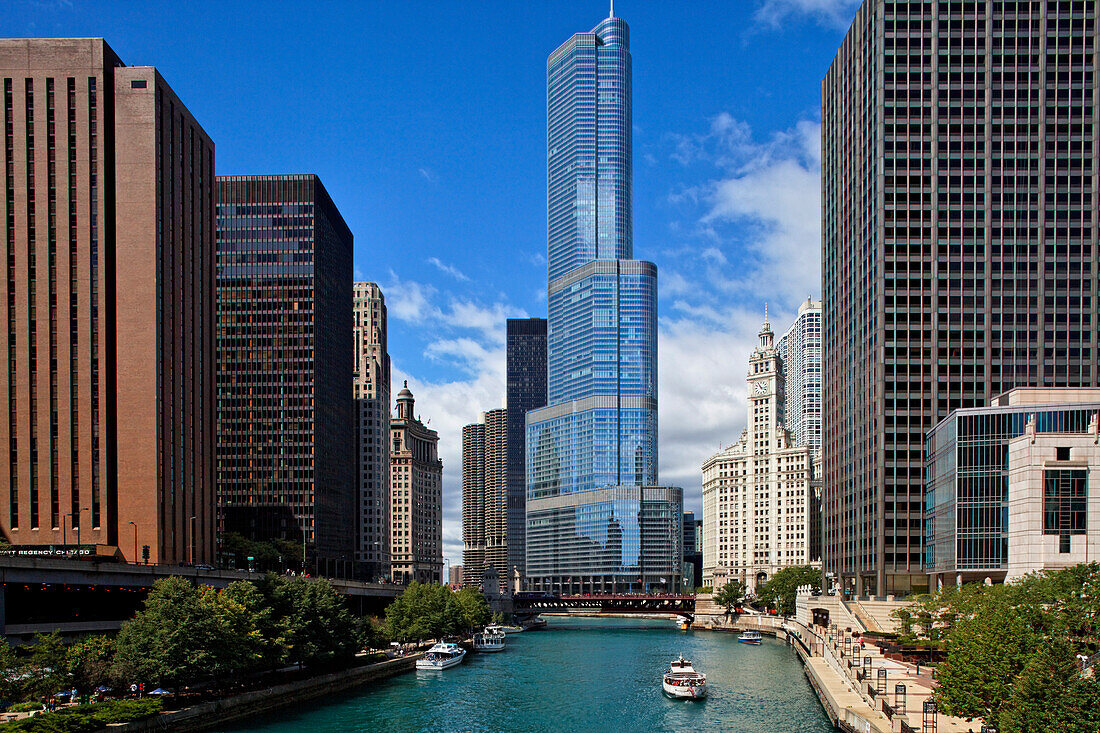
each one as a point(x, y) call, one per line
point(86, 718)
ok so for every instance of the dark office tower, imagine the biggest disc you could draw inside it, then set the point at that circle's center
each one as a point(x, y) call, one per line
point(485, 497)
point(107, 389)
point(286, 422)
point(959, 174)
point(526, 391)
point(372, 411)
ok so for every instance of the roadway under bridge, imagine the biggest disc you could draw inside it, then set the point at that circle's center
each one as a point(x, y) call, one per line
point(532, 604)
point(84, 596)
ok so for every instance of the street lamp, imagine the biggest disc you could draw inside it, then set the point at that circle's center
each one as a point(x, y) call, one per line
point(77, 515)
point(134, 524)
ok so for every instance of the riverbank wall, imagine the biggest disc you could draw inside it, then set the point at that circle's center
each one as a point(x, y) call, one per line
point(217, 713)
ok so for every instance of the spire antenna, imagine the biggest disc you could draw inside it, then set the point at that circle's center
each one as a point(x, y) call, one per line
point(612, 8)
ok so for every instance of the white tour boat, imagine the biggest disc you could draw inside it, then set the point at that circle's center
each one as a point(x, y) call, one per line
point(750, 637)
point(441, 656)
point(489, 640)
point(682, 681)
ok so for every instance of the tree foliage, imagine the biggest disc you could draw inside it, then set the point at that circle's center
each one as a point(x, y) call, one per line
point(175, 639)
point(730, 595)
point(1010, 648)
point(1051, 695)
point(780, 591)
point(43, 670)
point(985, 653)
point(88, 662)
point(427, 611)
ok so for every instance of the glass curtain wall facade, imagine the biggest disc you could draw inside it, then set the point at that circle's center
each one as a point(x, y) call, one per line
point(595, 518)
point(966, 521)
point(526, 347)
point(800, 359)
point(959, 247)
point(286, 443)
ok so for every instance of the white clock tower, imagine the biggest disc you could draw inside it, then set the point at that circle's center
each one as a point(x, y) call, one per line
point(756, 492)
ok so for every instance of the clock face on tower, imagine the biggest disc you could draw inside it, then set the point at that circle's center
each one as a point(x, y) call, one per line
point(761, 387)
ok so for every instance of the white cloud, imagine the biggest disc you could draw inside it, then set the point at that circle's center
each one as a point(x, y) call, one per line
point(702, 401)
point(757, 226)
point(428, 174)
point(451, 270)
point(748, 235)
point(834, 13)
point(408, 300)
point(448, 406)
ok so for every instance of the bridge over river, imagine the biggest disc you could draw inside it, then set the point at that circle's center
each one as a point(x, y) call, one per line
point(531, 604)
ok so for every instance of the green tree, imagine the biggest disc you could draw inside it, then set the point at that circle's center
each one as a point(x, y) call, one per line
point(424, 611)
point(10, 672)
point(174, 640)
point(251, 618)
point(986, 650)
point(43, 670)
point(730, 595)
point(1051, 695)
point(88, 661)
point(475, 611)
point(780, 591)
point(319, 627)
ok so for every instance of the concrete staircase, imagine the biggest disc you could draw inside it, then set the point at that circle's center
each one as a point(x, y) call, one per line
point(875, 614)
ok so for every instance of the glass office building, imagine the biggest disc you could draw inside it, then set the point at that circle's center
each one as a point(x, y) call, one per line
point(977, 488)
point(596, 520)
point(286, 445)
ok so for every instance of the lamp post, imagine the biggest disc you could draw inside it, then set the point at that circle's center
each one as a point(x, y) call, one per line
point(77, 515)
point(134, 525)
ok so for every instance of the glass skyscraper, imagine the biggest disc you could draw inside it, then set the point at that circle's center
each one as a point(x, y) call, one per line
point(596, 519)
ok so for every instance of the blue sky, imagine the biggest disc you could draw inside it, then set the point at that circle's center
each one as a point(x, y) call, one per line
point(426, 122)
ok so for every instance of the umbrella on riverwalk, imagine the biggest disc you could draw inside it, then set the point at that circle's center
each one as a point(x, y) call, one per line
point(160, 691)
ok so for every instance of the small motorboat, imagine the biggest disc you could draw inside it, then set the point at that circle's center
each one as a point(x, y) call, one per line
point(682, 682)
point(443, 655)
point(489, 640)
point(512, 629)
point(750, 637)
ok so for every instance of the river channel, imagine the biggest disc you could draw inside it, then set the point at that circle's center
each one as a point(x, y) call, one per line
point(580, 674)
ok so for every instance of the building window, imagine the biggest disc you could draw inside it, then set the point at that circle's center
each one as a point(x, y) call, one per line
point(1061, 454)
point(137, 84)
point(1064, 501)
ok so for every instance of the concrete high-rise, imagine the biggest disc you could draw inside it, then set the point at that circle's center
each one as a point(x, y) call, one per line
point(485, 497)
point(959, 174)
point(107, 393)
point(526, 349)
point(372, 414)
point(756, 493)
point(596, 519)
point(286, 419)
point(800, 359)
point(416, 497)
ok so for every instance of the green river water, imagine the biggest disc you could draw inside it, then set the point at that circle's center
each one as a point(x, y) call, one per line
point(580, 674)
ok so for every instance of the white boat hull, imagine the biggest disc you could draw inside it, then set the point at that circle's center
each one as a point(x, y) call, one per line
point(487, 649)
point(438, 664)
point(685, 692)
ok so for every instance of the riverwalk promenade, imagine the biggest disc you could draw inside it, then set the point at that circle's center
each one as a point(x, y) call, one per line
point(861, 690)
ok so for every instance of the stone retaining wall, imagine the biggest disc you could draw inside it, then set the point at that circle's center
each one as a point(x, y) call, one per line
point(219, 712)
